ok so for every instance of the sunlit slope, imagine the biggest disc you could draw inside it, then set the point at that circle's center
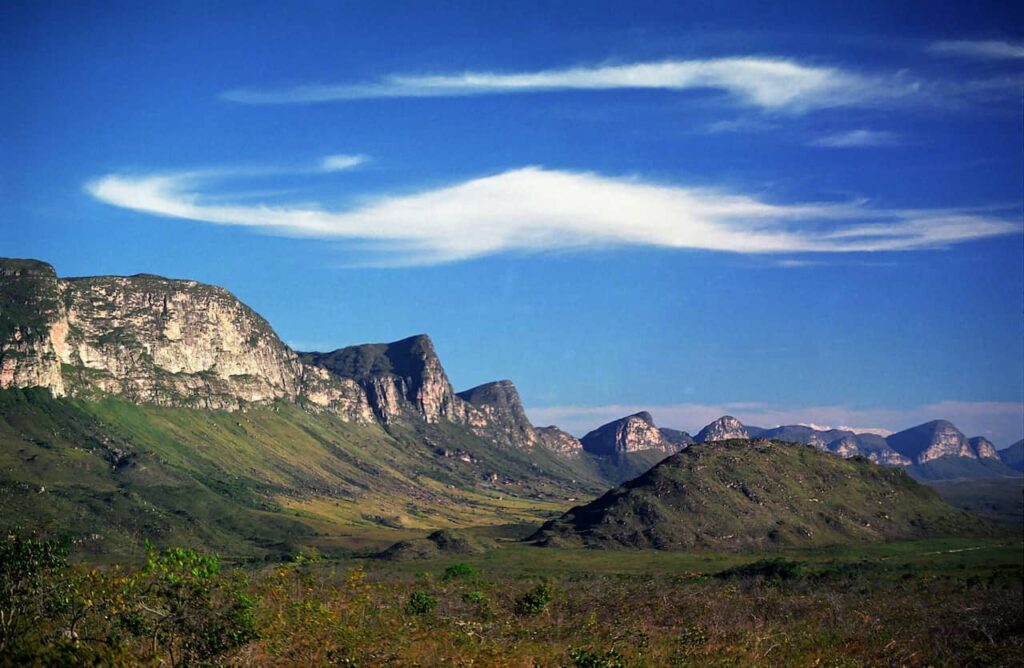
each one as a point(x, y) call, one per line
point(270, 479)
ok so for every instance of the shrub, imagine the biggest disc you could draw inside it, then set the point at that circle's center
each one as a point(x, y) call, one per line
point(185, 605)
point(536, 600)
point(772, 571)
point(459, 570)
point(476, 597)
point(32, 578)
point(586, 658)
point(420, 603)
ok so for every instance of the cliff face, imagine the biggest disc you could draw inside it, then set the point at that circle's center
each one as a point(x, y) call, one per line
point(403, 379)
point(33, 326)
point(984, 448)
point(629, 434)
point(495, 409)
point(930, 441)
point(152, 340)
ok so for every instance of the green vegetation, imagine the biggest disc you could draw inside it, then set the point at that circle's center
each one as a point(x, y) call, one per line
point(742, 495)
point(940, 603)
point(268, 482)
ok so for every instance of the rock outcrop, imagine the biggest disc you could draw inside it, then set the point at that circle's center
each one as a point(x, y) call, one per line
point(633, 433)
point(560, 442)
point(983, 448)
point(724, 428)
point(496, 410)
point(931, 441)
point(151, 340)
point(402, 379)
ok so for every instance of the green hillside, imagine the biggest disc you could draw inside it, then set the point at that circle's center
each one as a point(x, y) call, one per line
point(265, 481)
point(741, 494)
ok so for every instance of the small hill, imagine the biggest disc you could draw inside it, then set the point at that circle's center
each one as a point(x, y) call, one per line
point(741, 494)
point(632, 433)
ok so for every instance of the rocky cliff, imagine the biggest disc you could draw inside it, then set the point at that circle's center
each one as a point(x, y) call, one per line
point(160, 341)
point(722, 429)
point(402, 379)
point(931, 440)
point(495, 409)
point(630, 434)
point(151, 340)
point(984, 448)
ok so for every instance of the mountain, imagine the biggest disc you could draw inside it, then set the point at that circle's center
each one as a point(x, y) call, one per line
point(984, 448)
point(1013, 456)
point(938, 450)
point(145, 407)
point(724, 428)
point(152, 340)
point(632, 433)
point(741, 494)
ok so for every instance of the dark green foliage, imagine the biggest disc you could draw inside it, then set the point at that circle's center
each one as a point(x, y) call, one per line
point(771, 571)
point(458, 570)
point(588, 658)
point(31, 585)
point(420, 603)
point(185, 606)
point(536, 600)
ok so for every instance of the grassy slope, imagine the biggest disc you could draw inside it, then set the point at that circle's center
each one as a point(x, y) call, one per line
point(1001, 499)
point(247, 483)
point(749, 495)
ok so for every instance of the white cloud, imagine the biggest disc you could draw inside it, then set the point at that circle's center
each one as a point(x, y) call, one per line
point(988, 49)
point(769, 83)
point(534, 209)
point(856, 139)
point(1000, 422)
point(338, 163)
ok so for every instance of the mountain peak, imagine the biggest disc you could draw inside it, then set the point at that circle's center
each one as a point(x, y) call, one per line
point(931, 440)
point(724, 428)
point(629, 434)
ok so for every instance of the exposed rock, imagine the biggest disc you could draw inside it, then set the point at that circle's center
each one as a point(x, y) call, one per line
point(33, 326)
point(930, 441)
point(497, 412)
point(724, 428)
point(629, 434)
point(845, 447)
point(559, 441)
point(150, 340)
point(983, 448)
point(402, 379)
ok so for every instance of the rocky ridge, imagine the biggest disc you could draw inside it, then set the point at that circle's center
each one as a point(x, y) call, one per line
point(724, 428)
point(168, 342)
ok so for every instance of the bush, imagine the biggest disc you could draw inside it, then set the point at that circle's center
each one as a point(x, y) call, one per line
point(420, 603)
point(536, 600)
point(772, 571)
point(459, 570)
point(585, 658)
point(32, 580)
point(476, 597)
point(184, 605)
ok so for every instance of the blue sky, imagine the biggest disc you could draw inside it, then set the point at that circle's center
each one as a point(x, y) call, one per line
point(794, 213)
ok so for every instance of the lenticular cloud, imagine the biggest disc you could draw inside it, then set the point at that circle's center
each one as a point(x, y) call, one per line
point(536, 210)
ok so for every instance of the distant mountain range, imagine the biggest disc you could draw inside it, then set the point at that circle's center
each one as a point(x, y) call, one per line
point(143, 378)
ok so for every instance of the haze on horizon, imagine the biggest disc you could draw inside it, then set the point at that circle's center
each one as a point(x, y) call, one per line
point(792, 214)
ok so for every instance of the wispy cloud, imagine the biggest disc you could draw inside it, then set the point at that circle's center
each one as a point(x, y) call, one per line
point(768, 83)
point(857, 139)
point(534, 209)
point(1000, 422)
point(338, 163)
point(986, 50)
